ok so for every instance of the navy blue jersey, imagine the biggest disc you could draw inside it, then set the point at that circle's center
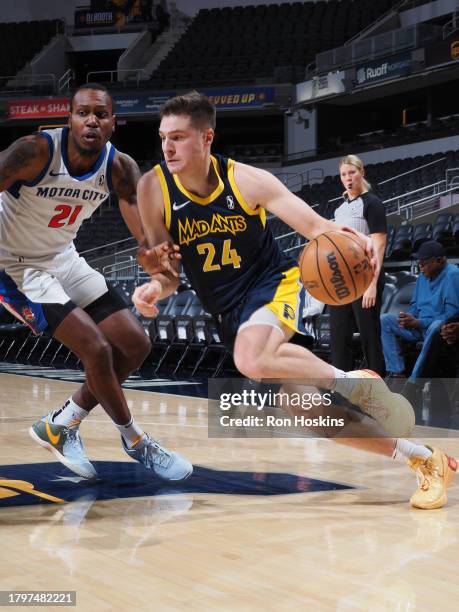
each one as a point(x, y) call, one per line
point(226, 246)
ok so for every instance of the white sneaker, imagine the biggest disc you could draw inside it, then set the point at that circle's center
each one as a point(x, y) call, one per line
point(164, 463)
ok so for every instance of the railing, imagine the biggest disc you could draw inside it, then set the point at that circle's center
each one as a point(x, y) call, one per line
point(66, 81)
point(452, 26)
point(296, 247)
point(397, 176)
point(112, 73)
point(299, 155)
point(396, 203)
point(105, 261)
point(296, 180)
point(410, 4)
point(388, 43)
point(362, 33)
point(426, 205)
point(126, 267)
point(21, 82)
point(452, 177)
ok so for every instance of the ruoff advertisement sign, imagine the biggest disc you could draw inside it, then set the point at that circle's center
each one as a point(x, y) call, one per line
point(383, 69)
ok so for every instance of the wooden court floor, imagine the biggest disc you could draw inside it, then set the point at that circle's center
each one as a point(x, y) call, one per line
point(262, 525)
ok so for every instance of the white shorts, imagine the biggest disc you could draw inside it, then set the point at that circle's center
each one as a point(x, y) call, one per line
point(55, 280)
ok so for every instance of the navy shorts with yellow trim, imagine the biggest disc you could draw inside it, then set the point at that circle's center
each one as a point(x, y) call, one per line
point(281, 292)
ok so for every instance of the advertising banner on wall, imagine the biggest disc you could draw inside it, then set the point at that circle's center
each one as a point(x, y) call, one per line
point(144, 103)
point(223, 98)
point(94, 19)
point(113, 13)
point(40, 108)
point(386, 68)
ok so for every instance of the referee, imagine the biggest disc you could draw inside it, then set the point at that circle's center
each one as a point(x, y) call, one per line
point(364, 212)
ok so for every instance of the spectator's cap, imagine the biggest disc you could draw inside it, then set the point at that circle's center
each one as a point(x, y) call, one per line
point(429, 249)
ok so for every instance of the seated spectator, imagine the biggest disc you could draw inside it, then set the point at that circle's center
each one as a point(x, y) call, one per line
point(435, 301)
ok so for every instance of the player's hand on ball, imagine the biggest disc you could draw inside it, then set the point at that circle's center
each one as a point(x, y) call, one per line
point(367, 244)
point(145, 298)
point(159, 259)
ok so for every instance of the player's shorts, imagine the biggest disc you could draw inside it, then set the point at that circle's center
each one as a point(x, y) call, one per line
point(283, 296)
point(41, 292)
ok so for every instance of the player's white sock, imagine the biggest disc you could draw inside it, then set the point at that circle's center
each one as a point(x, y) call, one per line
point(131, 432)
point(70, 415)
point(341, 383)
point(404, 449)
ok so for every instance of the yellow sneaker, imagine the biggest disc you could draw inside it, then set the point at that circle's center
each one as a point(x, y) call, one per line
point(434, 475)
point(391, 410)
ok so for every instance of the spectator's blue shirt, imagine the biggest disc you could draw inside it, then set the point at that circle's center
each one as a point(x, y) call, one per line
point(436, 299)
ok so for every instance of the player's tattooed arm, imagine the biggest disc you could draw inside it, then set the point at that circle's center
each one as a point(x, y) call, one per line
point(23, 160)
point(125, 176)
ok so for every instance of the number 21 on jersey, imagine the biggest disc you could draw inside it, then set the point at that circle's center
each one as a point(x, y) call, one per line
point(229, 256)
point(66, 215)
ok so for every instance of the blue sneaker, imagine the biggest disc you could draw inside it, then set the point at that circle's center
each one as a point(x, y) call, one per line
point(65, 444)
point(164, 463)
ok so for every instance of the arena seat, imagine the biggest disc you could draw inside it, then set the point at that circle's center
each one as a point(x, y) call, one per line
point(21, 41)
point(401, 298)
point(250, 42)
point(442, 230)
point(388, 293)
point(422, 232)
point(402, 245)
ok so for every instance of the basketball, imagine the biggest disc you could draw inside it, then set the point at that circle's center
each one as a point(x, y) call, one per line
point(335, 269)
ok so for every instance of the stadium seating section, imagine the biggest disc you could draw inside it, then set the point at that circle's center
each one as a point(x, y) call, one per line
point(107, 226)
point(19, 42)
point(377, 174)
point(244, 44)
point(185, 341)
point(103, 228)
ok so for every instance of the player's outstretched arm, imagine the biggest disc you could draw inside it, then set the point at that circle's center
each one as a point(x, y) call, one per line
point(157, 239)
point(260, 188)
point(23, 160)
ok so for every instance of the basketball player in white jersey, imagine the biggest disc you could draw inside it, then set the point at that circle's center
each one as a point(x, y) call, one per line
point(50, 182)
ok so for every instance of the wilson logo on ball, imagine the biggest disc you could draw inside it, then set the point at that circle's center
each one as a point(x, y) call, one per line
point(334, 268)
point(337, 278)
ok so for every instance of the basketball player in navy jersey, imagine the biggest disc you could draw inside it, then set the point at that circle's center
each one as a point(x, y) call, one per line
point(50, 182)
point(214, 209)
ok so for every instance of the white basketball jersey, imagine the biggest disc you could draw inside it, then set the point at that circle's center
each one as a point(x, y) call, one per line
point(42, 218)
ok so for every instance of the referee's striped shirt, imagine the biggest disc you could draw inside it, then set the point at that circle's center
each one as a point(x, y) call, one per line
point(366, 214)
